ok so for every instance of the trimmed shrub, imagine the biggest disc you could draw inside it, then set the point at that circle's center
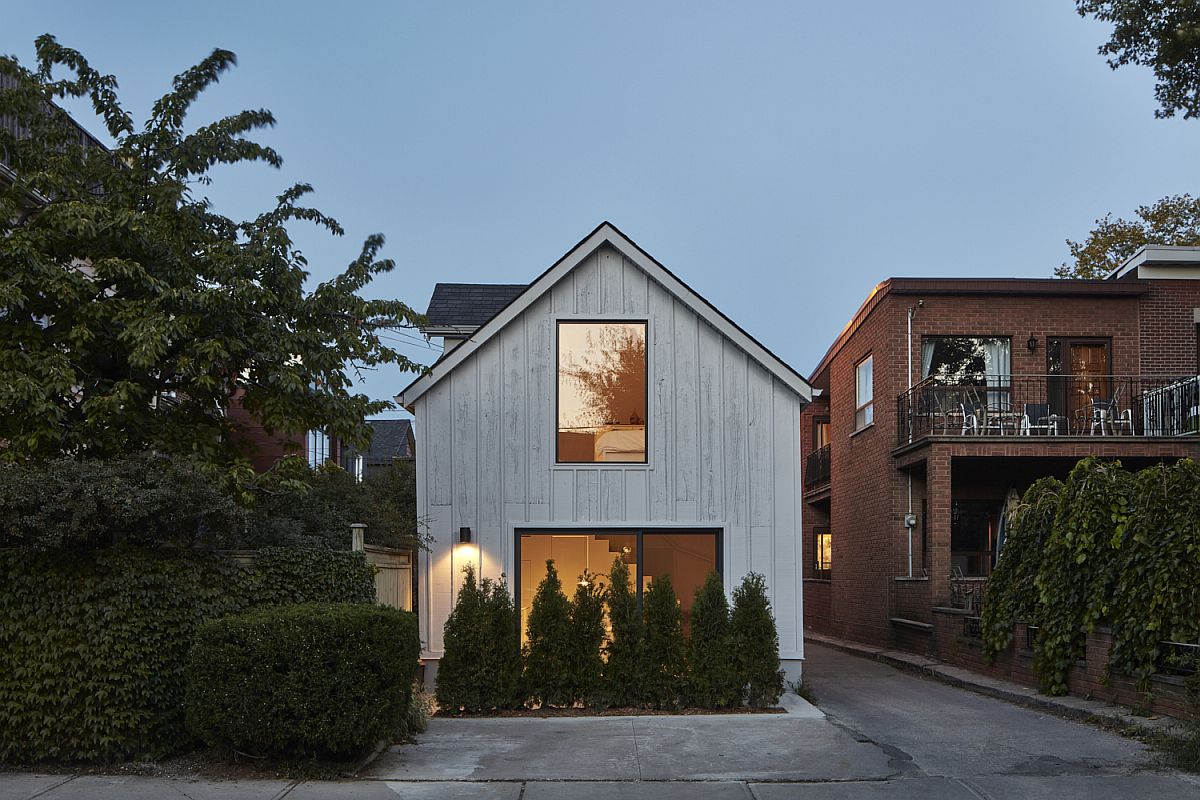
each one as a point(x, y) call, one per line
point(712, 679)
point(756, 643)
point(623, 668)
point(309, 681)
point(663, 673)
point(585, 665)
point(93, 643)
point(481, 668)
point(547, 664)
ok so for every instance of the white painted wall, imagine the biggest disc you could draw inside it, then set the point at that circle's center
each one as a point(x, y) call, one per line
point(723, 447)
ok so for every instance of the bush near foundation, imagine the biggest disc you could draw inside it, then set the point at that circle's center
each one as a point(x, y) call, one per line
point(547, 651)
point(664, 671)
point(585, 666)
point(308, 681)
point(712, 677)
point(756, 643)
point(481, 668)
point(93, 643)
point(623, 650)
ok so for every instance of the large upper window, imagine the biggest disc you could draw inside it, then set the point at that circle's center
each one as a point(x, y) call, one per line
point(966, 360)
point(864, 393)
point(601, 392)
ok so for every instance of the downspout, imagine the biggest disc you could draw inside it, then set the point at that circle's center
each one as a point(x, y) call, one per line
point(912, 312)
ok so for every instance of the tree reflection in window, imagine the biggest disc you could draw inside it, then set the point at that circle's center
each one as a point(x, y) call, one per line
point(601, 391)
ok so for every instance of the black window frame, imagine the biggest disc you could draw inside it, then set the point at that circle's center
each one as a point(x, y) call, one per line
point(825, 574)
point(719, 533)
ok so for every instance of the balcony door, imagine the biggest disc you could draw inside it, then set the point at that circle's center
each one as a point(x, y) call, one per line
point(1081, 374)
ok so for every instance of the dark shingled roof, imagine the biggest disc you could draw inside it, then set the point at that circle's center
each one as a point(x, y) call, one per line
point(469, 304)
point(390, 438)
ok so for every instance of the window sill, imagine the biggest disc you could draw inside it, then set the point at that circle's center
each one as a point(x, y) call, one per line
point(863, 429)
point(602, 465)
point(825, 581)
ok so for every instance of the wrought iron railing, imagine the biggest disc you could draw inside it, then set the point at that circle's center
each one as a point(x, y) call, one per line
point(816, 468)
point(1050, 405)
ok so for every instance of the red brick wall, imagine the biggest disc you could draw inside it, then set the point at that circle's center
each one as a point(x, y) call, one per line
point(1086, 679)
point(262, 448)
point(1168, 328)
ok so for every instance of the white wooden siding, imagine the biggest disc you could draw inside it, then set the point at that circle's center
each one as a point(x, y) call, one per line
point(723, 445)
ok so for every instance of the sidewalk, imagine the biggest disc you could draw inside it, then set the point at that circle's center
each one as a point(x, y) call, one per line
point(1072, 707)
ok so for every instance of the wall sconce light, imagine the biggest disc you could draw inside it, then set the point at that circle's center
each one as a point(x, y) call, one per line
point(1031, 343)
point(464, 535)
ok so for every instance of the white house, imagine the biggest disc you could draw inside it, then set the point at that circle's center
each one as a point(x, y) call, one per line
point(605, 410)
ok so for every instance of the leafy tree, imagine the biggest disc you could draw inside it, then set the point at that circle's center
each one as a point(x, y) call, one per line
point(586, 665)
point(712, 676)
point(623, 668)
point(1173, 221)
point(756, 643)
point(663, 667)
point(131, 312)
point(481, 668)
point(548, 645)
point(141, 499)
point(1159, 34)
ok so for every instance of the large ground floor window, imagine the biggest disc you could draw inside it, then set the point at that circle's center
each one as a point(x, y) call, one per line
point(686, 555)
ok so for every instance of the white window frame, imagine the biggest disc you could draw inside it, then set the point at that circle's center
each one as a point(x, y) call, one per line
point(864, 411)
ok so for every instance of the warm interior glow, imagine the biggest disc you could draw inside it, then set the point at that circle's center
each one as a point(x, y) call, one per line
point(601, 392)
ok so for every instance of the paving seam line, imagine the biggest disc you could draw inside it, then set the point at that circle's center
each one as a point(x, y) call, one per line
point(49, 789)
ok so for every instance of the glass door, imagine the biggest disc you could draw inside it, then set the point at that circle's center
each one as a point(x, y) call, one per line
point(1079, 375)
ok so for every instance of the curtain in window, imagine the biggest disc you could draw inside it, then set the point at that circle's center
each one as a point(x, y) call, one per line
point(927, 348)
point(997, 368)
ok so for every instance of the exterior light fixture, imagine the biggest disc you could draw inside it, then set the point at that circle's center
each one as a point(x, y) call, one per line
point(464, 535)
point(1031, 343)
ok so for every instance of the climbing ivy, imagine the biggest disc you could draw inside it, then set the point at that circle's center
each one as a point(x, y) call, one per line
point(1011, 592)
point(1079, 566)
point(1157, 594)
point(1106, 546)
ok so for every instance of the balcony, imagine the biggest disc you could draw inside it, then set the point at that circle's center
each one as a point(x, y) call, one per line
point(816, 468)
point(1050, 406)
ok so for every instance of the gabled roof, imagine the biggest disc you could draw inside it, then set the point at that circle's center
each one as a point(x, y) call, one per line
point(607, 233)
point(390, 438)
point(456, 306)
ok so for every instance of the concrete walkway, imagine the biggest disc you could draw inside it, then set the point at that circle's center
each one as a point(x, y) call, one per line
point(884, 733)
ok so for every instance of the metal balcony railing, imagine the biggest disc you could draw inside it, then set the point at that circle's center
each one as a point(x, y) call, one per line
point(1050, 405)
point(816, 468)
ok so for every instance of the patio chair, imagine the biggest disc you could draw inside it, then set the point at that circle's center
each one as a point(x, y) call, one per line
point(970, 417)
point(1037, 417)
point(1107, 415)
point(997, 417)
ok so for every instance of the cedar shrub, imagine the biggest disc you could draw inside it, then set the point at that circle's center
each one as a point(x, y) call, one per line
point(663, 674)
point(548, 645)
point(756, 643)
point(481, 668)
point(712, 678)
point(585, 663)
point(623, 668)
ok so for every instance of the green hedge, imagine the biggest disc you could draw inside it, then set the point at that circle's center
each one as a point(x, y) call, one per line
point(93, 643)
point(302, 681)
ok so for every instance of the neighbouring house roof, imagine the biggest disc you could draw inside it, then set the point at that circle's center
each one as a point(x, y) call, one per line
point(1160, 261)
point(965, 287)
point(390, 439)
point(464, 307)
point(607, 233)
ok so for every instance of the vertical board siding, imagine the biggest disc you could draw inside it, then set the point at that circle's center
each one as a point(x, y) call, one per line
point(712, 468)
point(723, 445)
point(488, 470)
point(662, 404)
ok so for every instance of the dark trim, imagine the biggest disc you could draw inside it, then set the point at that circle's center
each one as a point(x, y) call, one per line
point(645, 323)
point(818, 573)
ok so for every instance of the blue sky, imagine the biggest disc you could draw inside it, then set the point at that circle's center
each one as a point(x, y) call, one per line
point(782, 158)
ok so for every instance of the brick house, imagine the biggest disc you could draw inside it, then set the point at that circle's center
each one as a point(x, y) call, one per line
point(943, 399)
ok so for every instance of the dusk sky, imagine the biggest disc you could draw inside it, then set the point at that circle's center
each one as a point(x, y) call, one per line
point(781, 158)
